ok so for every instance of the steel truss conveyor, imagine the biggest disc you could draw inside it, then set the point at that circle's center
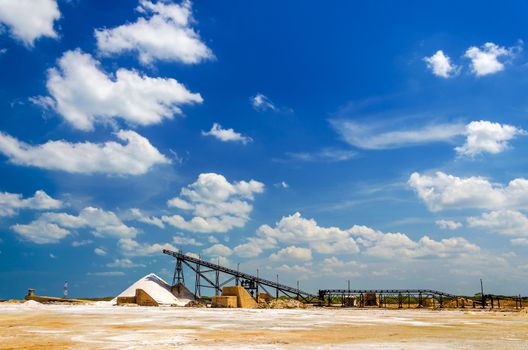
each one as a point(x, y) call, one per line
point(403, 296)
point(250, 282)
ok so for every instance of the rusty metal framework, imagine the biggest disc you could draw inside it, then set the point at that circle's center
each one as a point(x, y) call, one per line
point(208, 275)
point(403, 296)
point(214, 276)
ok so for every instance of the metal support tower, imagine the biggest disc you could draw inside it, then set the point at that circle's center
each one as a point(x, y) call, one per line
point(178, 273)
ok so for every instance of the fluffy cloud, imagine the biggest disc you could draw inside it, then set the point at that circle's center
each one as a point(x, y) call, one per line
point(164, 33)
point(52, 227)
point(216, 204)
point(448, 224)
point(10, 203)
point(41, 232)
point(250, 249)
point(137, 215)
point(218, 250)
point(226, 135)
point(305, 270)
point(443, 191)
point(28, 20)
point(100, 251)
point(124, 263)
point(102, 223)
point(333, 263)
point(484, 136)
point(262, 103)
point(182, 240)
point(83, 94)
point(485, 60)
point(440, 64)
point(292, 253)
point(295, 229)
point(220, 260)
point(509, 222)
point(81, 243)
point(131, 247)
point(398, 245)
point(136, 156)
point(376, 137)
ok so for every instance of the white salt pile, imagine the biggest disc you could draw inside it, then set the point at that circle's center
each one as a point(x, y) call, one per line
point(32, 304)
point(159, 290)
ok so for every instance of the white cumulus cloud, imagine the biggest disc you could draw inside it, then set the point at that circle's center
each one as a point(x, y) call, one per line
point(136, 214)
point(508, 222)
point(10, 203)
point(100, 251)
point(124, 263)
point(130, 247)
point(295, 229)
point(41, 232)
point(484, 136)
point(218, 250)
point(292, 253)
point(29, 20)
point(442, 191)
point(448, 224)
point(440, 64)
point(81, 243)
point(485, 59)
point(52, 227)
point(216, 204)
point(182, 240)
point(165, 33)
point(300, 232)
point(83, 94)
point(226, 135)
point(135, 157)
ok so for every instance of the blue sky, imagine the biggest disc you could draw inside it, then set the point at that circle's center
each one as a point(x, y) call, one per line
point(378, 142)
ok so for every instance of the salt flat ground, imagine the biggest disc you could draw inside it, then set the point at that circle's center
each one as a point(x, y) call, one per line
point(102, 326)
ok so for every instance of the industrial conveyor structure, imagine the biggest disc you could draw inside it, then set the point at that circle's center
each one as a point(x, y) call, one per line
point(216, 276)
point(379, 297)
point(209, 273)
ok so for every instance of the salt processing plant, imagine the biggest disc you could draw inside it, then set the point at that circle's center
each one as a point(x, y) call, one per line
point(236, 289)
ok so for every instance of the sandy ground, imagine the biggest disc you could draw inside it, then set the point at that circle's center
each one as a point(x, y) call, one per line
point(102, 326)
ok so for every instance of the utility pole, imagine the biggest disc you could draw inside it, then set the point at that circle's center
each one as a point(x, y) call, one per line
point(277, 289)
point(257, 284)
point(298, 289)
point(482, 294)
point(238, 272)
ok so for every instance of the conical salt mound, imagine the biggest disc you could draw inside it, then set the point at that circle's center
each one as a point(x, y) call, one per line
point(157, 289)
